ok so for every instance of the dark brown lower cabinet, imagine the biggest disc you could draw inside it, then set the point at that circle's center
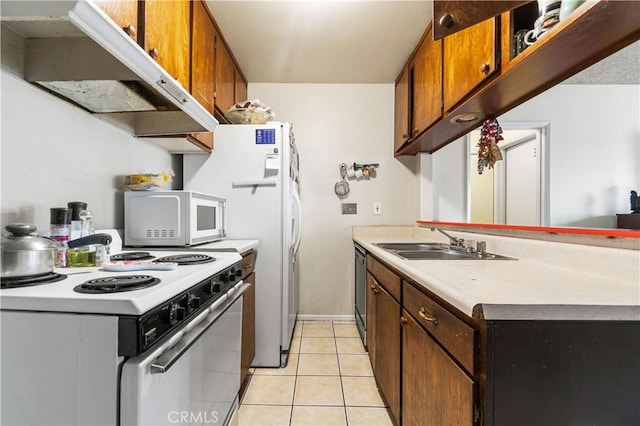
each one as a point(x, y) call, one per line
point(435, 390)
point(248, 346)
point(387, 361)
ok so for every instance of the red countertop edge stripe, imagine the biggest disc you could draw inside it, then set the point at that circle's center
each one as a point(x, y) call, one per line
point(620, 233)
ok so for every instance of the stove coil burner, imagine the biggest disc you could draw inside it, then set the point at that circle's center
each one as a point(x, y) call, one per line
point(132, 255)
point(117, 284)
point(31, 280)
point(187, 259)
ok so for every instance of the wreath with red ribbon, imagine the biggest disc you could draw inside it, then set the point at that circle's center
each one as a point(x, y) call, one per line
point(488, 151)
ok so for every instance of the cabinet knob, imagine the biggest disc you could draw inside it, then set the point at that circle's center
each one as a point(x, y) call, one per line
point(427, 318)
point(154, 53)
point(446, 20)
point(403, 321)
point(416, 131)
point(130, 30)
point(376, 291)
point(485, 68)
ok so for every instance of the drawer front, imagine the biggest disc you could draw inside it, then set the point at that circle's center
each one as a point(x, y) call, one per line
point(248, 263)
point(456, 336)
point(385, 277)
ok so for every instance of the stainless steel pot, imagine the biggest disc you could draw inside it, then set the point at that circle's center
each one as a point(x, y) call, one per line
point(25, 254)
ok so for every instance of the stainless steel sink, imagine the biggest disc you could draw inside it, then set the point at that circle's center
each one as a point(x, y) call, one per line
point(413, 246)
point(436, 251)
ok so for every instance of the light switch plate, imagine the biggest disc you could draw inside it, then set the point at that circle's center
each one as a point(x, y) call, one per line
point(350, 208)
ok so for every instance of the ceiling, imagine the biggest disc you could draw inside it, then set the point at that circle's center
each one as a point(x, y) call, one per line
point(350, 41)
point(330, 41)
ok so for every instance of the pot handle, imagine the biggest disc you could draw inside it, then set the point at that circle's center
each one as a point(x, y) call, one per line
point(104, 239)
point(21, 229)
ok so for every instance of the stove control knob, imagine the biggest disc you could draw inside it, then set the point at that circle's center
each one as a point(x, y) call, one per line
point(224, 277)
point(193, 302)
point(214, 288)
point(232, 277)
point(176, 313)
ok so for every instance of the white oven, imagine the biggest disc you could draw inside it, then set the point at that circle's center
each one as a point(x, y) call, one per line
point(172, 218)
point(165, 352)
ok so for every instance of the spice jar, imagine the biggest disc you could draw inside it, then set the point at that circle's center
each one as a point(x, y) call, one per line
point(61, 231)
point(76, 224)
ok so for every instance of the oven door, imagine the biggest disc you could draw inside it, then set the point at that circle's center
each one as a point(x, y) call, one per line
point(194, 377)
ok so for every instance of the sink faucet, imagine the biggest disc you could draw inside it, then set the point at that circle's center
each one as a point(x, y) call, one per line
point(455, 242)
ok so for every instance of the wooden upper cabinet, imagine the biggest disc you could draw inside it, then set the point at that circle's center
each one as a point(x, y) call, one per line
point(241, 87)
point(124, 13)
point(469, 59)
point(203, 70)
point(167, 36)
point(453, 16)
point(426, 84)
point(401, 111)
point(225, 77)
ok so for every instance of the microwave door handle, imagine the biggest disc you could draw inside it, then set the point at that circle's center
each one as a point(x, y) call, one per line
point(223, 219)
point(164, 362)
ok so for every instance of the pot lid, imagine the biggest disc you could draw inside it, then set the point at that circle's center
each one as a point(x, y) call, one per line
point(22, 238)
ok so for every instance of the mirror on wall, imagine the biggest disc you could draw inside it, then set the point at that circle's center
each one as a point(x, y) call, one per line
point(513, 191)
point(571, 155)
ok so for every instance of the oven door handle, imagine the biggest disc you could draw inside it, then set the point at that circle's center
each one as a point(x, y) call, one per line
point(164, 362)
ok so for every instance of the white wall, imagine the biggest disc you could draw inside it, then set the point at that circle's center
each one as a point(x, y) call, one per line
point(53, 152)
point(594, 155)
point(336, 123)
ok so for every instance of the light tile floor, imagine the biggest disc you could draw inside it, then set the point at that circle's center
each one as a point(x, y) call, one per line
point(328, 381)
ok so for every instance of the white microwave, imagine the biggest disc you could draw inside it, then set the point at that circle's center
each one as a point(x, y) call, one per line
point(172, 218)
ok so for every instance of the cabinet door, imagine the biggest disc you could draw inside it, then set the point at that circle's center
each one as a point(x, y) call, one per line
point(401, 111)
point(435, 391)
point(203, 56)
point(203, 38)
point(241, 88)
point(167, 34)
point(124, 13)
point(426, 84)
point(248, 348)
point(469, 58)
point(371, 319)
point(225, 77)
point(387, 369)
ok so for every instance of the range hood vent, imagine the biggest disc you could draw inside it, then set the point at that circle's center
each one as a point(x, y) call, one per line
point(74, 50)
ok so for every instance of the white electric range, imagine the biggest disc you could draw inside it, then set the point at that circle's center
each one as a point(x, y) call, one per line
point(160, 347)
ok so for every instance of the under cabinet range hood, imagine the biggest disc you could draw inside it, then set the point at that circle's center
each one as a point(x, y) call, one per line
point(74, 50)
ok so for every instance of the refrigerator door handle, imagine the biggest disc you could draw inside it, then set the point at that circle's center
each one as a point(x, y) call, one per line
point(297, 219)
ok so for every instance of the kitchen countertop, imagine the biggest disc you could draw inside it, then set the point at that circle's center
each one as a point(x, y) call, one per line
point(239, 246)
point(549, 281)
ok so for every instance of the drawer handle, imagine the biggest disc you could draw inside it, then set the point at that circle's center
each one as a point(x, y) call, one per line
point(248, 265)
point(424, 316)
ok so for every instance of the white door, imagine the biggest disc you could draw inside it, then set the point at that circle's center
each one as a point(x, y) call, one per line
point(522, 183)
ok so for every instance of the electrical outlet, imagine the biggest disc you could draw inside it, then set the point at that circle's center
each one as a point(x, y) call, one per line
point(350, 208)
point(377, 208)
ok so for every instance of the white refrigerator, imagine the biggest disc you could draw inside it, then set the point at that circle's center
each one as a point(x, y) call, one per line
point(255, 167)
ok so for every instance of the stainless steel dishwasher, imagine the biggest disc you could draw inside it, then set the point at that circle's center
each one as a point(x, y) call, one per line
point(361, 291)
